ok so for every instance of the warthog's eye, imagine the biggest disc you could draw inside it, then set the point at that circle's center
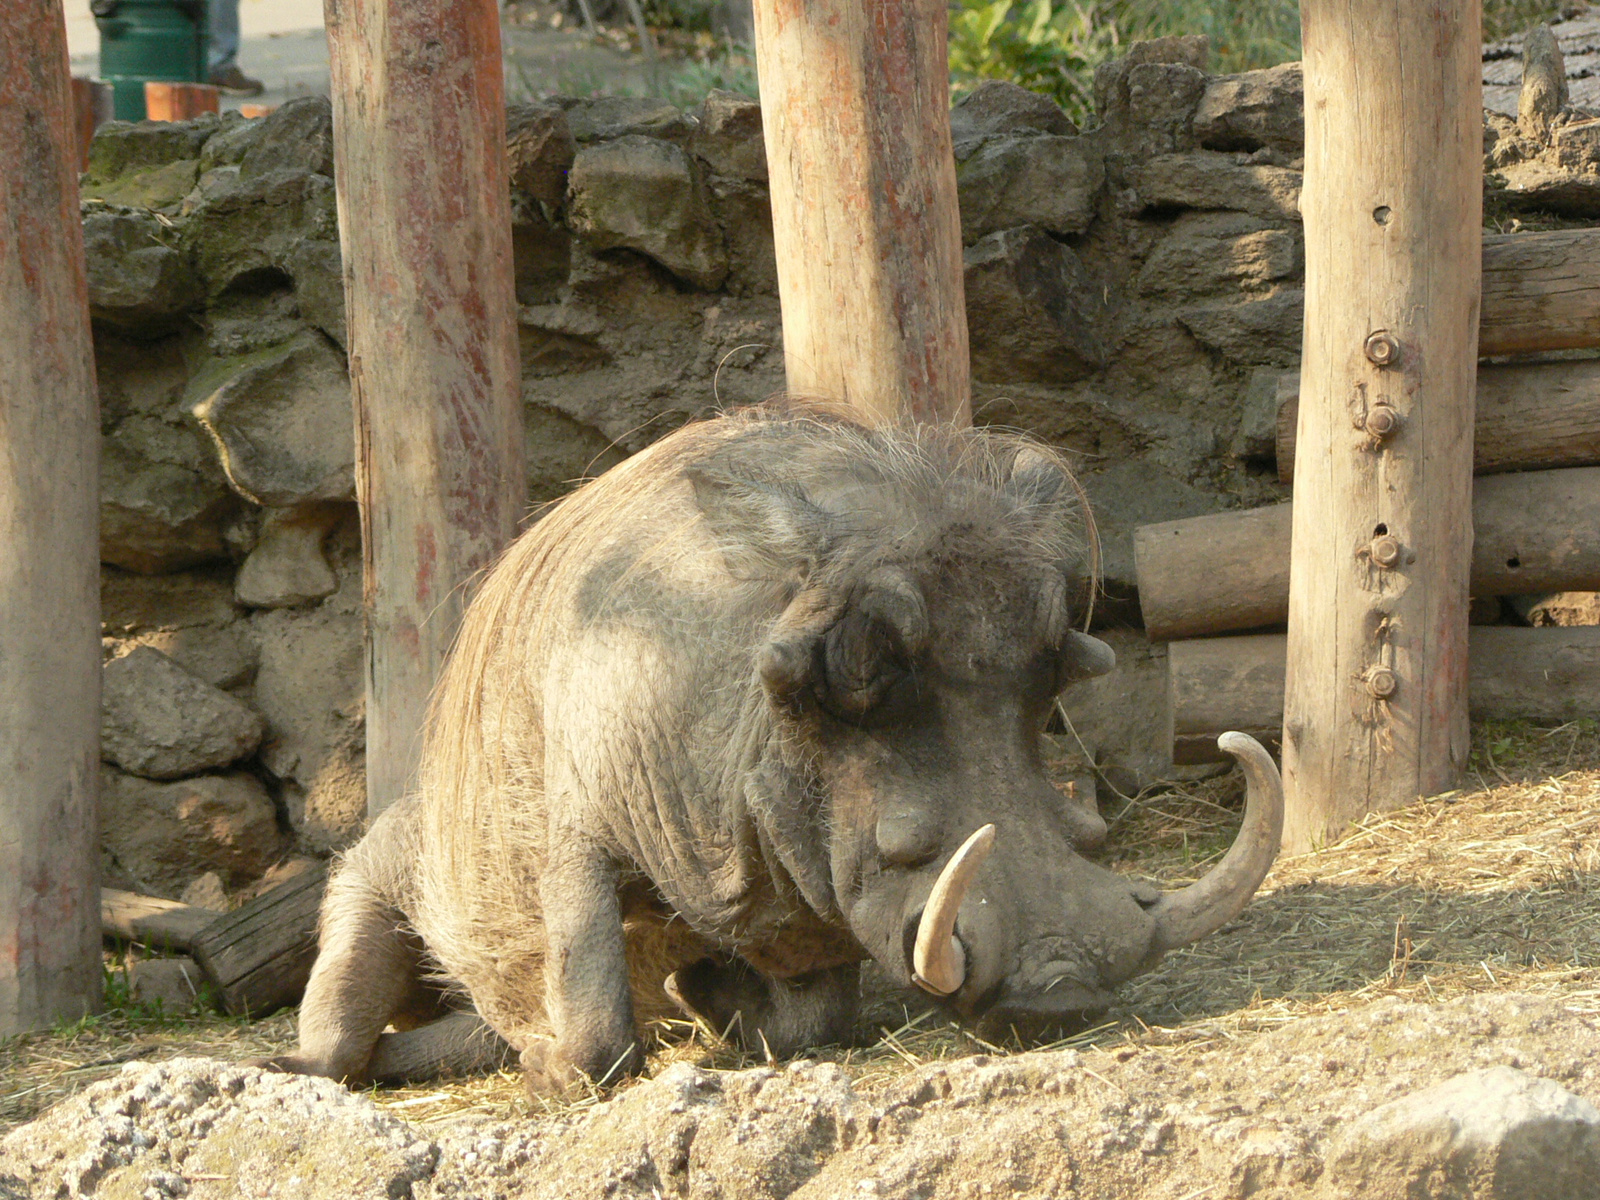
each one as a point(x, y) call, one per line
point(865, 678)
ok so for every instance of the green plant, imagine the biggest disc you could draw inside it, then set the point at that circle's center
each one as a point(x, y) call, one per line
point(1036, 44)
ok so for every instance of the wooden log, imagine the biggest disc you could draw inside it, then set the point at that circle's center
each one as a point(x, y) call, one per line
point(91, 106)
point(50, 967)
point(1541, 292)
point(1393, 213)
point(1530, 416)
point(425, 226)
point(1536, 531)
point(259, 956)
point(167, 924)
point(856, 113)
point(178, 101)
point(1216, 684)
point(1221, 572)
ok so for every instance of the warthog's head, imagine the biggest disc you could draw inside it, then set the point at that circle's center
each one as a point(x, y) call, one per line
point(915, 669)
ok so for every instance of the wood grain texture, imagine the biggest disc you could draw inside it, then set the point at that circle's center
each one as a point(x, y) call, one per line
point(425, 227)
point(179, 101)
point(1392, 207)
point(856, 112)
point(49, 543)
point(1548, 675)
point(1216, 573)
point(1541, 292)
point(1536, 531)
point(1529, 416)
point(260, 956)
point(165, 924)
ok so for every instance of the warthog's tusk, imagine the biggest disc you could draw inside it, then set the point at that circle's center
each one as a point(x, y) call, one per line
point(1209, 903)
point(939, 964)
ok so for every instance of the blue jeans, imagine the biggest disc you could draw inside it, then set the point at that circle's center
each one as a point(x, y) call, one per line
point(223, 17)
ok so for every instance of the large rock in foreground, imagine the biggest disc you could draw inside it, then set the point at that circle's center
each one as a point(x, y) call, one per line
point(159, 721)
point(192, 1127)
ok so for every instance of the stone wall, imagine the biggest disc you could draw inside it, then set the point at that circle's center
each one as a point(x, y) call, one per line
point(1133, 293)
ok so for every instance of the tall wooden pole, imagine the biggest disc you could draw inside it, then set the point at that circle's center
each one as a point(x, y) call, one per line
point(855, 104)
point(425, 226)
point(1376, 707)
point(49, 543)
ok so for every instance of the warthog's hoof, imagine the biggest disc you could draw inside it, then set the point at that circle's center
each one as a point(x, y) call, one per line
point(548, 1072)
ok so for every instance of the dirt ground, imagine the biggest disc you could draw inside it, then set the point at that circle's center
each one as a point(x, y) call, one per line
point(1492, 889)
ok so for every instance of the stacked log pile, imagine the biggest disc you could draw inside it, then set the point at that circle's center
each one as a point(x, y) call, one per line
point(1536, 515)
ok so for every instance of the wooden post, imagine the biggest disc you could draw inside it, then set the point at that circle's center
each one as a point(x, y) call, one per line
point(856, 111)
point(1375, 713)
point(425, 225)
point(49, 543)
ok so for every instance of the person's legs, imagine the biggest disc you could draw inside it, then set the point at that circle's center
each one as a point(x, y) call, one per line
point(223, 62)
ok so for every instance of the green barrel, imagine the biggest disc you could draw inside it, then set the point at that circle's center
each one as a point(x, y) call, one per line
point(140, 40)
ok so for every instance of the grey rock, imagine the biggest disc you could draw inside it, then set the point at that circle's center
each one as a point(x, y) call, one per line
point(1127, 495)
point(640, 193)
point(1044, 180)
point(170, 984)
point(997, 106)
point(610, 117)
point(1209, 252)
point(729, 138)
point(191, 618)
point(243, 229)
point(1033, 310)
point(295, 138)
point(138, 279)
point(744, 211)
point(561, 453)
point(287, 567)
point(140, 374)
point(162, 187)
point(234, 138)
point(128, 147)
point(164, 834)
point(1558, 608)
point(1544, 83)
point(310, 688)
point(159, 721)
point(1254, 109)
point(1537, 185)
point(1577, 145)
point(1209, 179)
point(206, 891)
point(263, 1133)
point(317, 270)
point(1257, 437)
point(282, 424)
point(1162, 99)
point(1158, 118)
point(1264, 332)
point(163, 504)
point(541, 252)
point(539, 150)
point(1495, 1134)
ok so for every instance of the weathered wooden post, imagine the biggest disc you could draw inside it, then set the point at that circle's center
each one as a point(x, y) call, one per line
point(855, 104)
point(1376, 706)
point(425, 226)
point(49, 543)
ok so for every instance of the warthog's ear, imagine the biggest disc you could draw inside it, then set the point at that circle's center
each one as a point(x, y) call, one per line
point(1037, 479)
point(1083, 657)
point(765, 529)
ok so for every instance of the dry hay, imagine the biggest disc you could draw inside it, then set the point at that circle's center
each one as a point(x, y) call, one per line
point(1491, 889)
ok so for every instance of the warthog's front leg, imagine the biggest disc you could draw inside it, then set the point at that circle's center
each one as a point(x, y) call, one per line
point(587, 995)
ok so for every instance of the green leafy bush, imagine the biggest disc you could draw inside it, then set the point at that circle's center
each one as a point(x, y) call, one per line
point(1053, 46)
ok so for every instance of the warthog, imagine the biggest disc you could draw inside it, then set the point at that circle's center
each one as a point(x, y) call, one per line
point(760, 703)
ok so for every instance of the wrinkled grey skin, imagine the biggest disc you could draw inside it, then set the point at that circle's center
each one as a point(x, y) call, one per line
point(723, 716)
